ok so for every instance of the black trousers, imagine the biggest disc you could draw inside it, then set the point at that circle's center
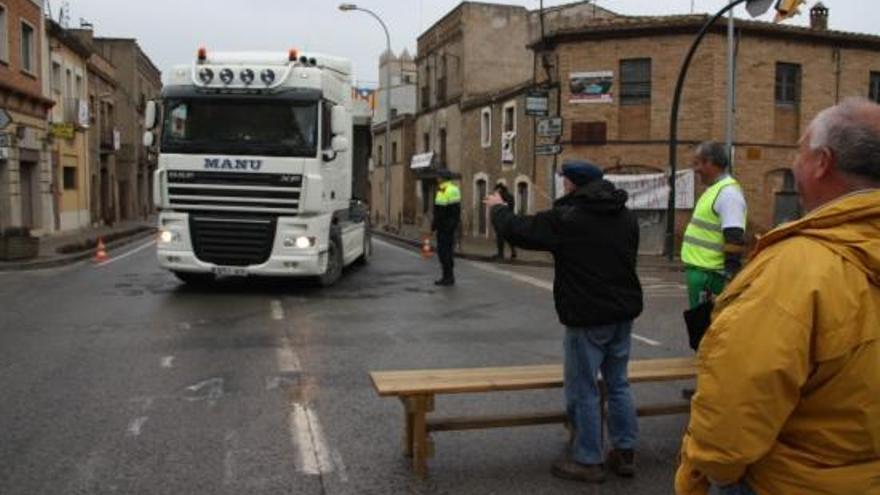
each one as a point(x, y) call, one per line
point(445, 246)
point(499, 243)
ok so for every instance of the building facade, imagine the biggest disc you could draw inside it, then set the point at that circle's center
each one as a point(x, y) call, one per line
point(137, 81)
point(69, 123)
point(401, 176)
point(26, 198)
point(616, 82)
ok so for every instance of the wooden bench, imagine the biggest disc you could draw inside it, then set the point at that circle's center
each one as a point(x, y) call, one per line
point(416, 390)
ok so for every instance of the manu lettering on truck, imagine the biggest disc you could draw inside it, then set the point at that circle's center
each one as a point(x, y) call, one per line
point(228, 164)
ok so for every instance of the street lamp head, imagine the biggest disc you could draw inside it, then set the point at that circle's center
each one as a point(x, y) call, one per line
point(347, 6)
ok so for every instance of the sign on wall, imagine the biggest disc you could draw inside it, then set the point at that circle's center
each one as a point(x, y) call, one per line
point(537, 102)
point(591, 87)
point(64, 130)
point(550, 127)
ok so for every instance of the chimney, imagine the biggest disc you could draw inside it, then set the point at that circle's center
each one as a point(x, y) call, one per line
point(819, 17)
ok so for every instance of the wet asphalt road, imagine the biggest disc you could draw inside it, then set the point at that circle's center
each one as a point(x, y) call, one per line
point(118, 379)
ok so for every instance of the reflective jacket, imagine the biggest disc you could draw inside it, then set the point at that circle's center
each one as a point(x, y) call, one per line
point(788, 389)
point(447, 208)
point(703, 243)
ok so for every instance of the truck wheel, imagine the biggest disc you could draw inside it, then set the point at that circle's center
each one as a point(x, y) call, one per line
point(364, 258)
point(195, 279)
point(334, 263)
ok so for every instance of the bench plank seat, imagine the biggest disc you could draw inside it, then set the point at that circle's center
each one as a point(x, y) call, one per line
point(416, 390)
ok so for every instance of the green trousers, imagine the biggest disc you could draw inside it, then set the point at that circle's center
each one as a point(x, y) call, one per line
point(699, 280)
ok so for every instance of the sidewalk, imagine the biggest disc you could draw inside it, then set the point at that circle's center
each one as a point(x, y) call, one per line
point(483, 249)
point(69, 247)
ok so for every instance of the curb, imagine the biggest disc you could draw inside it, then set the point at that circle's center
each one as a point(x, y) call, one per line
point(415, 243)
point(458, 254)
point(68, 259)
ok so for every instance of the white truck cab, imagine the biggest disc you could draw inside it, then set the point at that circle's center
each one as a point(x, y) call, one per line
point(255, 167)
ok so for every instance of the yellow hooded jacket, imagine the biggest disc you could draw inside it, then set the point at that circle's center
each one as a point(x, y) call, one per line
point(788, 389)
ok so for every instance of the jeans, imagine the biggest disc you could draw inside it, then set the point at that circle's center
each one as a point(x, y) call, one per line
point(740, 488)
point(589, 350)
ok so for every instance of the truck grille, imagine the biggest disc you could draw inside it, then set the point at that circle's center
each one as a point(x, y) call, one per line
point(277, 194)
point(232, 241)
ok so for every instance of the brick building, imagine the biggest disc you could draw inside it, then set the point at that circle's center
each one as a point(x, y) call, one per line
point(784, 76)
point(25, 165)
point(474, 66)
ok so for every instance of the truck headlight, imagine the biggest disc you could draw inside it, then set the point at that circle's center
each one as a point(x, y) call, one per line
point(167, 236)
point(300, 242)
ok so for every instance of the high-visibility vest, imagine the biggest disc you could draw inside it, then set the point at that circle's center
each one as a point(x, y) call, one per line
point(447, 194)
point(703, 245)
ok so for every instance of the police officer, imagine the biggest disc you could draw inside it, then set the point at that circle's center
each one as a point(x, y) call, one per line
point(447, 216)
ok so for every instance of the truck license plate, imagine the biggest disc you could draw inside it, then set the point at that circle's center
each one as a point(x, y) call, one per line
point(230, 271)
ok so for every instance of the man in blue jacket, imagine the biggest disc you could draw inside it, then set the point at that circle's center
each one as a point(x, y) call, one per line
point(594, 240)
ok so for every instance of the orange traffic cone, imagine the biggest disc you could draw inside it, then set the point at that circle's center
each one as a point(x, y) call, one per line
point(101, 254)
point(427, 252)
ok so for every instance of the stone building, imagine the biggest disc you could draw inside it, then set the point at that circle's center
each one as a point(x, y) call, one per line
point(784, 76)
point(25, 163)
point(138, 81)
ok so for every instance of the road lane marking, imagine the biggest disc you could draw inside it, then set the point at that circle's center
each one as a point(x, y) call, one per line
point(276, 309)
point(135, 426)
point(288, 362)
point(308, 439)
point(126, 255)
point(546, 286)
point(168, 362)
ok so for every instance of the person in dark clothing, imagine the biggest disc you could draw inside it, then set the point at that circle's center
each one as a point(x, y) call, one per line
point(499, 239)
point(447, 216)
point(594, 240)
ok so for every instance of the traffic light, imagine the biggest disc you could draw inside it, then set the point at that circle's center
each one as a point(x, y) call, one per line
point(787, 8)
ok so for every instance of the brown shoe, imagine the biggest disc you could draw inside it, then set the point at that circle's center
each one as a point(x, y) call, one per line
point(622, 462)
point(571, 470)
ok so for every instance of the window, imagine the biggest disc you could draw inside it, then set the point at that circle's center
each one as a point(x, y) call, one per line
point(426, 141)
point(326, 125)
point(486, 127)
point(4, 38)
point(635, 81)
point(874, 87)
point(508, 134)
point(522, 198)
point(788, 84)
point(381, 158)
point(78, 89)
point(443, 148)
point(509, 124)
point(56, 77)
point(394, 152)
point(68, 85)
point(28, 48)
point(69, 178)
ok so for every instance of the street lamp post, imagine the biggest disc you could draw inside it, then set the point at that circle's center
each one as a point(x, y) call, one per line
point(345, 7)
point(755, 8)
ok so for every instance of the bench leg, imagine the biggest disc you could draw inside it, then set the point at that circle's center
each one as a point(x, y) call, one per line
point(416, 434)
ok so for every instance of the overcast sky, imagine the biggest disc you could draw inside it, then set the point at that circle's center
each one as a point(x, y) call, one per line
point(170, 31)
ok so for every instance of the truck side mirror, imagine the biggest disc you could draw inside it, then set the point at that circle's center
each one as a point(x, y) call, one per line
point(149, 139)
point(150, 115)
point(339, 144)
point(341, 121)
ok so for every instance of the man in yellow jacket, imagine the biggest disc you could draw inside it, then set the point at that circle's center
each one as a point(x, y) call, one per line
point(788, 390)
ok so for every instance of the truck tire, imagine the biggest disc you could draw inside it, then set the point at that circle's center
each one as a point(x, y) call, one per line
point(364, 258)
point(334, 263)
point(195, 279)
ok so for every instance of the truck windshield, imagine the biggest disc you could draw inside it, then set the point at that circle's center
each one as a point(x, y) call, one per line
point(241, 127)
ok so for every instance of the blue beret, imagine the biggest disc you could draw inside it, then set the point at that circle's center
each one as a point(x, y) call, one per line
point(580, 172)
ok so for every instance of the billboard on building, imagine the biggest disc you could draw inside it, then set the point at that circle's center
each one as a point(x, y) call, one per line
point(591, 87)
point(650, 191)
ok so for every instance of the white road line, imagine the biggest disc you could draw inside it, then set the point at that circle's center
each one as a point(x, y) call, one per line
point(135, 426)
point(126, 255)
point(288, 362)
point(547, 286)
point(308, 438)
point(168, 362)
point(277, 310)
